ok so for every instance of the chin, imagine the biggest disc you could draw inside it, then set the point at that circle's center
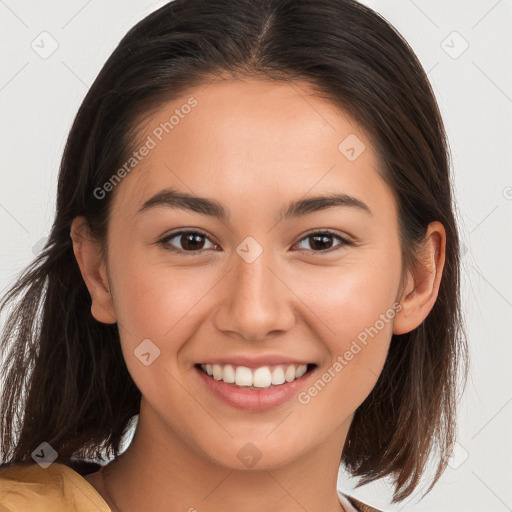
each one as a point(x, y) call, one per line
point(257, 455)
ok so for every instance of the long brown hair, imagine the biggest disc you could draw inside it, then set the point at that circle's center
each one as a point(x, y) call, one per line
point(66, 371)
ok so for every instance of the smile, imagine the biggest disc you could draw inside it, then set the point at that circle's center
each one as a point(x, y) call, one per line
point(263, 377)
point(255, 389)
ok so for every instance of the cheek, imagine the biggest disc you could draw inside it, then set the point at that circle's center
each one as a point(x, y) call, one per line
point(354, 310)
point(156, 302)
point(351, 297)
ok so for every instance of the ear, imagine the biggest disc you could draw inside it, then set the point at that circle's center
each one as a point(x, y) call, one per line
point(90, 259)
point(422, 285)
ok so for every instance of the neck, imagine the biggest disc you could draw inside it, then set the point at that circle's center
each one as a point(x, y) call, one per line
point(160, 472)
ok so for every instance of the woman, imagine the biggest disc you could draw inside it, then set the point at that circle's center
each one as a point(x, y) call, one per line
point(254, 251)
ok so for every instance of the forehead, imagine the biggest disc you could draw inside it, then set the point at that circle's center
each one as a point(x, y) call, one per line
point(254, 138)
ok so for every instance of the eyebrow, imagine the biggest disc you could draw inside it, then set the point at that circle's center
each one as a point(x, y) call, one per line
point(171, 198)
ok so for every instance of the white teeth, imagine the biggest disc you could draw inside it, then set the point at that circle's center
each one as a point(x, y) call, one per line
point(243, 376)
point(278, 376)
point(228, 374)
point(217, 372)
point(262, 377)
point(300, 371)
point(289, 375)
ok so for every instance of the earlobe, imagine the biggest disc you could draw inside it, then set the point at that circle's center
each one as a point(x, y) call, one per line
point(90, 259)
point(422, 285)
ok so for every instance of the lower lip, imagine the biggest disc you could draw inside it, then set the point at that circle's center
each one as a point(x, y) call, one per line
point(255, 400)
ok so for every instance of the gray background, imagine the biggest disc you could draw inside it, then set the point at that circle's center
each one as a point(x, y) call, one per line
point(466, 48)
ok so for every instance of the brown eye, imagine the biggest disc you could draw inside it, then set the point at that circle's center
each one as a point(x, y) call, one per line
point(323, 241)
point(190, 241)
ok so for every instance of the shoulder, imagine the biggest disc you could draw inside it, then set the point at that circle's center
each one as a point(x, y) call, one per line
point(355, 505)
point(29, 486)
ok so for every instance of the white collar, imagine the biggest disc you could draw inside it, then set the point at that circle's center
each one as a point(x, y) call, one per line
point(346, 504)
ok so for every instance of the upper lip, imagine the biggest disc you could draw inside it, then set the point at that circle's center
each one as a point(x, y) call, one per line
point(255, 361)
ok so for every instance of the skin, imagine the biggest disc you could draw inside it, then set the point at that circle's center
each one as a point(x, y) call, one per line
point(255, 146)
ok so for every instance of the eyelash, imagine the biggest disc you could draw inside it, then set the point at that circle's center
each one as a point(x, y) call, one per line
point(165, 241)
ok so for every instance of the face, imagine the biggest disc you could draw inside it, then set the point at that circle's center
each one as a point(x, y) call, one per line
point(256, 283)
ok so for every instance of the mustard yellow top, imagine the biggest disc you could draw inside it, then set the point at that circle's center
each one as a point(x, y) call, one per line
point(58, 488)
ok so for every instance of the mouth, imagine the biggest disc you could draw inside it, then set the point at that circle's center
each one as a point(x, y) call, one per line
point(257, 389)
point(260, 378)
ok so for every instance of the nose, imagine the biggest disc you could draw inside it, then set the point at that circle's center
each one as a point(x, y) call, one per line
point(256, 301)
